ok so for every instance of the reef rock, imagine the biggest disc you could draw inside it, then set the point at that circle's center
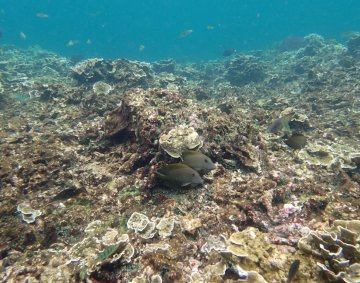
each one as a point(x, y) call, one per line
point(338, 250)
point(245, 69)
point(124, 72)
point(179, 139)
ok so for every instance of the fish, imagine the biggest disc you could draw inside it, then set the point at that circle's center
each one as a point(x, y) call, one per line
point(88, 41)
point(210, 27)
point(179, 174)
point(185, 33)
point(72, 42)
point(67, 193)
point(229, 52)
point(350, 34)
point(296, 141)
point(22, 35)
point(42, 15)
point(294, 267)
point(280, 124)
point(197, 161)
point(141, 47)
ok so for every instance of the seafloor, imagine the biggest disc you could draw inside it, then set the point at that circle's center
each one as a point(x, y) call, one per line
point(80, 144)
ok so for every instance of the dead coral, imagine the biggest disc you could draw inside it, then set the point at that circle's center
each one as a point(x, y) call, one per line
point(123, 72)
point(338, 250)
point(117, 120)
point(245, 69)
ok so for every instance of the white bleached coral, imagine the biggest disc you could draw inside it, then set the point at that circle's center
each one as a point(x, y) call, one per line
point(28, 214)
point(179, 139)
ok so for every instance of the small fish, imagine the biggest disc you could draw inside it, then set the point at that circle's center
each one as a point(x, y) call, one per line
point(141, 47)
point(229, 52)
point(350, 34)
point(294, 267)
point(210, 27)
point(197, 161)
point(67, 193)
point(180, 174)
point(280, 124)
point(185, 33)
point(88, 41)
point(42, 15)
point(22, 36)
point(296, 141)
point(72, 42)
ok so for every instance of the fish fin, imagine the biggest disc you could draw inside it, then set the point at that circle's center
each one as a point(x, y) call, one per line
point(186, 184)
point(160, 174)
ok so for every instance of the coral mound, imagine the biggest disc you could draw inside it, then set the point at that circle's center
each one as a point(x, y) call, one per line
point(338, 248)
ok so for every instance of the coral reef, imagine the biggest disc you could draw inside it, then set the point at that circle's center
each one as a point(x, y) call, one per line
point(100, 131)
point(122, 72)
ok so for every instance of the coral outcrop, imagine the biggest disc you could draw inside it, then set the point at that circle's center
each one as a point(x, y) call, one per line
point(122, 72)
point(245, 69)
point(338, 250)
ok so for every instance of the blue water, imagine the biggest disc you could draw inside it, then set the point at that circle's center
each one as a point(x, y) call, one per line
point(116, 28)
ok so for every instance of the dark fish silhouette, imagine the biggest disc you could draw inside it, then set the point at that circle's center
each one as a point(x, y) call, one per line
point(179, 174)
point(296, 141)
point(229, 52)
point(280, 124)
point(294, 267)
point(67, 193)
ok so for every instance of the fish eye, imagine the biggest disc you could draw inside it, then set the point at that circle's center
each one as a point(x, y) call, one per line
point(193, 174)
point(206, 161)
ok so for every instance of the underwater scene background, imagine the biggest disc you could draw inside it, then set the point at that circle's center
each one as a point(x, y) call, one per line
point(119, 28)
point(180, 141)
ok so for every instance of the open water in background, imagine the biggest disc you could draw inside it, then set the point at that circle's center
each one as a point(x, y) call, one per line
point(117, 28)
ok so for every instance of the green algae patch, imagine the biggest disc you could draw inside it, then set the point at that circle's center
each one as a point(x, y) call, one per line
point(128, 192)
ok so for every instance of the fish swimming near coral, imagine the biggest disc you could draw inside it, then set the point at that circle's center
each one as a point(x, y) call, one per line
point(185, 33)
point(229, 52)
point(197, 161)
point(67, 193)
point(296, 141)
point(280, 124)
point(72, 42)
point(179, 174)
point(22, 35)
point(294, 267)
point(141, 47)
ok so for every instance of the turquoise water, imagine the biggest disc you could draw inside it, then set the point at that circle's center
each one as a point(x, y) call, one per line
point(114, 29)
